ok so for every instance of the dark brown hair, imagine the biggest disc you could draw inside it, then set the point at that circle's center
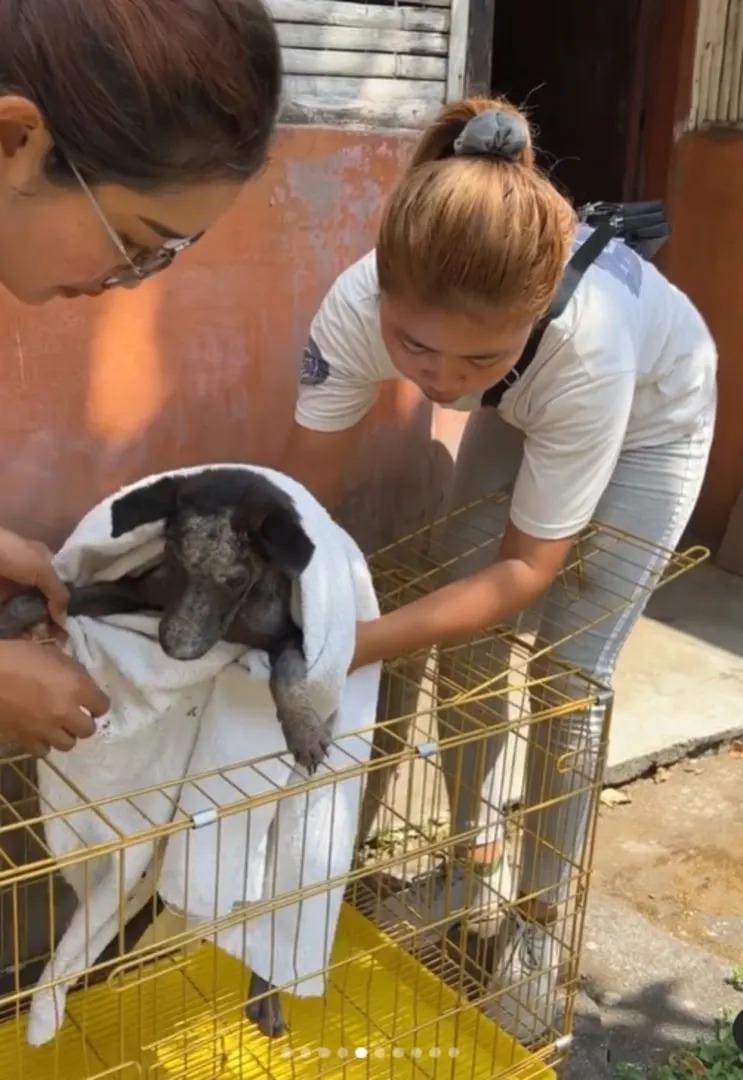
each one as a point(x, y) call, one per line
point(146, 93)
point(464, 230)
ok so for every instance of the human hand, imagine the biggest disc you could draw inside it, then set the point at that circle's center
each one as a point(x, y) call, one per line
point(29, 563)
point(46, 698)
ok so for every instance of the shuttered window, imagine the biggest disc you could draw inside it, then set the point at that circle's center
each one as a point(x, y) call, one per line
point(385, 62)
point(717, 88)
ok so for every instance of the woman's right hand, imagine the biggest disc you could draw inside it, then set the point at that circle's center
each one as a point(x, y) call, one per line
point(29, 563)
point(46, 698)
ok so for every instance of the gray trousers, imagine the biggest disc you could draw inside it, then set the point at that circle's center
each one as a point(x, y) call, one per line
point(651, 495)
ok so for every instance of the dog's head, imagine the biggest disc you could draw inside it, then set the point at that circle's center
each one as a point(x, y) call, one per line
point(223, 529)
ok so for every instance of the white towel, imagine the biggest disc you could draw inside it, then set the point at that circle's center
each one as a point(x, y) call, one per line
point(169, 719)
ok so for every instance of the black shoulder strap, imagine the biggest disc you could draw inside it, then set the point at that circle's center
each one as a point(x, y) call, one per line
point(586, 254)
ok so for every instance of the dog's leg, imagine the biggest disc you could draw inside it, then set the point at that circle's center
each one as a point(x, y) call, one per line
point(266, 1012)
point(307, 736)
point(29, 609)
point(111, 598)
point(104, 598)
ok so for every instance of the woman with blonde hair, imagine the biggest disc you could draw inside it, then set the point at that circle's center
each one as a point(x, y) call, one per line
point(605, 409)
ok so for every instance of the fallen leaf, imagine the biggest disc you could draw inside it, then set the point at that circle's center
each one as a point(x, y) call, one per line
point(661, 774)
point(688, 1062)
point(736, 748)
point(615, 797)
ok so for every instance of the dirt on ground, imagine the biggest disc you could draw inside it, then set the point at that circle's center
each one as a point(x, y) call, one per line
point(675, 852)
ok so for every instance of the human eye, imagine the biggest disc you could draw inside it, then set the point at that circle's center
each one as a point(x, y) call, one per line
point(413, 347)
point(484, 361)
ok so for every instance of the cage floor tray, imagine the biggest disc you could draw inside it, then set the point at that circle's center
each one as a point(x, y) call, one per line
point(385, 1015)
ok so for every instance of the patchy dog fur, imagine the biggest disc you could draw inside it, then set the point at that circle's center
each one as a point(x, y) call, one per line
point(234, 544)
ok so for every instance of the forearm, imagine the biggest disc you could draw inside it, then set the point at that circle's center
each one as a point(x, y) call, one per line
point(452, 613)
point(318, 460)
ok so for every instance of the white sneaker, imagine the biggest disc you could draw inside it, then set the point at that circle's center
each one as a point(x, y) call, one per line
point(525, 980)
point(456, 892)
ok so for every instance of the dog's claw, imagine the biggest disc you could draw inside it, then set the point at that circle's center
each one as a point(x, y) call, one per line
point(308, 739)
point(311, 750)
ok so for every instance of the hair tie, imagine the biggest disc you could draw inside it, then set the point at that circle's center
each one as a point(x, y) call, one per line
point(494, 133)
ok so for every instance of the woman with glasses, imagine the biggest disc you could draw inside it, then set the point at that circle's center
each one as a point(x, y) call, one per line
point(127, 127)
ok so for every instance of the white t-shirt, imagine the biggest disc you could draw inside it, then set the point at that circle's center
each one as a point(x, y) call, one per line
point(629, 364)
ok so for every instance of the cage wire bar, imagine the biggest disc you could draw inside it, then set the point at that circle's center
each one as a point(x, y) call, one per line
point(410, 991)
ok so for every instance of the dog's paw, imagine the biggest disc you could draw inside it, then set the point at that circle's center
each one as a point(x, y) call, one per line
point(267, 1014)
point(46, 1016)
point(307, 738)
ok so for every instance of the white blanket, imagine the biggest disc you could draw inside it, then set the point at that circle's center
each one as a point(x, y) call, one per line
point(169, 719)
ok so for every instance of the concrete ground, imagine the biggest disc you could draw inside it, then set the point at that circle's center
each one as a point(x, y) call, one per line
point(679, 684)
point(664, 928)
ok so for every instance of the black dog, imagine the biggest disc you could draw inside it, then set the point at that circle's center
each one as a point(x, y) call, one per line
point(233, 546)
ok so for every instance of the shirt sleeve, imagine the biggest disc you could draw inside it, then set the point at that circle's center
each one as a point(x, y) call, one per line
point(337, 384)
point(570, 455)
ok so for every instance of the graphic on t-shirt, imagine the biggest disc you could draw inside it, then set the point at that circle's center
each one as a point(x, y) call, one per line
point(617, 258)
point(315, 368)
point(622, 263)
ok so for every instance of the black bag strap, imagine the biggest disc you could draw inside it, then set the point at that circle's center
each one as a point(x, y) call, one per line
point(642, 225)
point(586, 254)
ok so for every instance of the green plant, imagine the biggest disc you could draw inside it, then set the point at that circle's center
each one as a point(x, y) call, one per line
point(735, 979)
point(716, 1058)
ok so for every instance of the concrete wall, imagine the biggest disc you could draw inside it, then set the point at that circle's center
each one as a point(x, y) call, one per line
point(705, 196)
point(200, 364)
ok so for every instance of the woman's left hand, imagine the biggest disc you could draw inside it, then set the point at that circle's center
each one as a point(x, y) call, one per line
point(525, 568)
point(29, 563)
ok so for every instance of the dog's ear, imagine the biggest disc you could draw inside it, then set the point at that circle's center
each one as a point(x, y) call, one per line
point(140, 507)
point(285, 541)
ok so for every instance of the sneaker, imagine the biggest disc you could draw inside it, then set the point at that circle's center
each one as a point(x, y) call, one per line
point(470, 894)
point(525, 981)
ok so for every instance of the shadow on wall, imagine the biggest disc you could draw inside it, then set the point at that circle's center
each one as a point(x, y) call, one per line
point(200, 365)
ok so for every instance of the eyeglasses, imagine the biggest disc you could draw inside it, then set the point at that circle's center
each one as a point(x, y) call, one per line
point(140, 267)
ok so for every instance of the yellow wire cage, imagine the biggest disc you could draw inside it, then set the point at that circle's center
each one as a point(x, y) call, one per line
point(409, 989)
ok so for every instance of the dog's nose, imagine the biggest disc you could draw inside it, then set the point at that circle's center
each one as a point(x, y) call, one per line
point(181, 643)
point(185, 651)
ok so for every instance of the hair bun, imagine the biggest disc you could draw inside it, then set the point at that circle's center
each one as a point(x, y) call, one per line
point(494, 133)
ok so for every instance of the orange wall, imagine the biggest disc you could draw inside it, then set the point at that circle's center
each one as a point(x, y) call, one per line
point(200, 365)
point(704, 258)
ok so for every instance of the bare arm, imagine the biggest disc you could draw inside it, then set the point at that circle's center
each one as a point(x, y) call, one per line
point(320, 459)
point(524, 569)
